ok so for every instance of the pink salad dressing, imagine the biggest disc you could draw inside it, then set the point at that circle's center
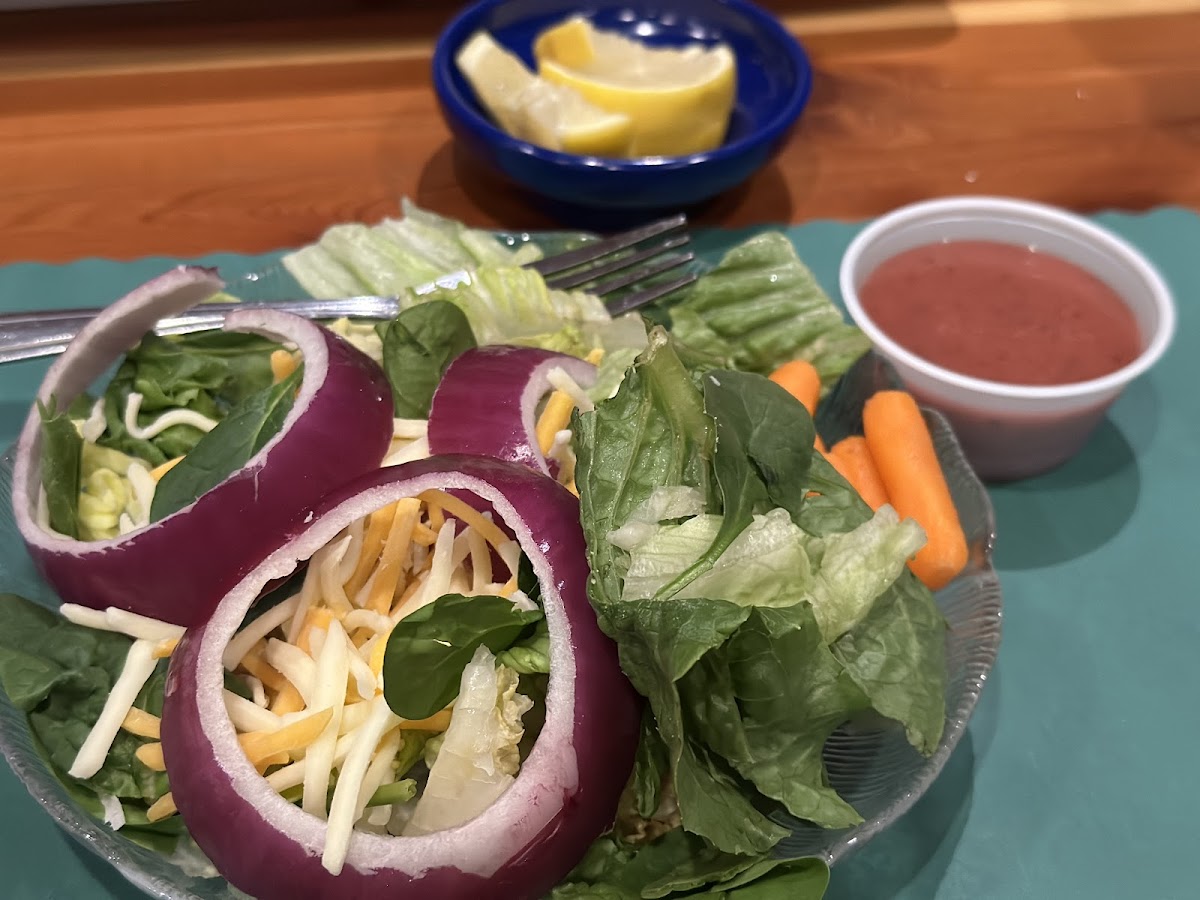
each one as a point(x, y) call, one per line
point(1002, 312)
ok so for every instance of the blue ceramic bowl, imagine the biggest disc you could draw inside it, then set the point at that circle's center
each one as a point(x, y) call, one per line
point(774, 79)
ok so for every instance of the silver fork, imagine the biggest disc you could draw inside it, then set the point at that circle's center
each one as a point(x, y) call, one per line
point(614, 268)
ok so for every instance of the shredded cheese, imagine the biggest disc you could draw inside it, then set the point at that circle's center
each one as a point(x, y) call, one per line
point(136, 626)
point(295, 665)
point(139, 666)
point(95, 424)
point(333, 668)
point(409, 429)
point(344, 810)
point(260, 745)
point(379, 523)
point(143, 724)
point(251, 634)
point(162, 808)
point(246, 715)
point(438, 580)
point(151, 756)
point(159, 471)
point(418, 449)
point(133, 405)
point(563, 382)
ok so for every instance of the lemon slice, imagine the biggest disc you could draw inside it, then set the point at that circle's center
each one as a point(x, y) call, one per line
point(679, 99)
point(535, 110)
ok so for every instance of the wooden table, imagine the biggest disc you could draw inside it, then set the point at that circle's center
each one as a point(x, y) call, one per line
point(182, 128)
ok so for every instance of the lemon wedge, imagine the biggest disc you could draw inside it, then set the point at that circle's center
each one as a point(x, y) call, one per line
point(679, 99)
point(536, 110)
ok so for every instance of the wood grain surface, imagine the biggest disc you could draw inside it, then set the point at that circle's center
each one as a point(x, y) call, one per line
point(189, 127)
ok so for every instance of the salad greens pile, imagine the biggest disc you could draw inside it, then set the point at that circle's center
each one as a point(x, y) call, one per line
point(60, 674)
point(756, 601)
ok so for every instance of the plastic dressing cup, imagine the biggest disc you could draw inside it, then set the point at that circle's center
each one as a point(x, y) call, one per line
point(1011, 431)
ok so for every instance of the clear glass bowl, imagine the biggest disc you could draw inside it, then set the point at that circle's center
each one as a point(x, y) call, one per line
point(873, 767)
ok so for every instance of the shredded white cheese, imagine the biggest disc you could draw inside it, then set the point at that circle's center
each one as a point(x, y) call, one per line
point(333, 668)
point(344, 811)
point(409, 429)
point(246, 715)
point(251, 634)
point(418, 449)
point(133, 406)
point(367, 618)
point(296, 666)
point(139, 666)
point(561, 381)
point(94, 425)
point(437, 580)
point(136, 626)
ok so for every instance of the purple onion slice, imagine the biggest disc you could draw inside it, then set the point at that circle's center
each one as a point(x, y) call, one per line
point(564, 796)
point(487, 402)
point(177, 569)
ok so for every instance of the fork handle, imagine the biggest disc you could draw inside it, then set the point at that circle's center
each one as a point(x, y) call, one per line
point(32, 335)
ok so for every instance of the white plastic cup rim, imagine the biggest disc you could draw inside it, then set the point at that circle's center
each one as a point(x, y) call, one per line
point(980, 208)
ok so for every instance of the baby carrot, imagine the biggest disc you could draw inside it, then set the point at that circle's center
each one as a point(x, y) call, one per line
point(902, 449)
point(800, 379)
point(852, 458)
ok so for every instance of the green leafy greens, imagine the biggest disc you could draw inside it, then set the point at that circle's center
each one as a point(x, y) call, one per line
point(752, 627)
point(62, 469)
point(418, 345)
point(208, 373)
point(760, 307)
point(250, 424)
point(60, 675)
point(437, 641)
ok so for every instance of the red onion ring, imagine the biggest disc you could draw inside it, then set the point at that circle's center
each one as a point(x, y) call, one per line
point(487, 402)
point(564, 796)
point(177, 569)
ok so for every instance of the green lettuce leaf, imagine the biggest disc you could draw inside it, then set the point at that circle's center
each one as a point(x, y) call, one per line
point(652, 433)
point(897, 656)
point(760, 307)
point(765, 565)
point(397, 254)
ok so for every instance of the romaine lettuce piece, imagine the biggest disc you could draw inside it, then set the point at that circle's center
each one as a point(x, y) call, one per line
point(760, 307)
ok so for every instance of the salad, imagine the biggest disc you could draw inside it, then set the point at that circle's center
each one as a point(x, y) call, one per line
point(503, 597)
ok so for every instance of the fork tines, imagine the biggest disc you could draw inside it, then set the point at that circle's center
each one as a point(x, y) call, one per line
point(624, 260)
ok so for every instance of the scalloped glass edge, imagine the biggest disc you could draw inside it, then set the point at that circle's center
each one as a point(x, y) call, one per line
point(872, 765)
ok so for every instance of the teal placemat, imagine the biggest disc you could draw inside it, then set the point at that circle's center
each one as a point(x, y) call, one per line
point(1077, 777)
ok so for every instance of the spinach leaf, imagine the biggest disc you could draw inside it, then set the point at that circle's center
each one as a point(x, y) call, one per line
point(418, 346)
point(681, 864)
point(652, 433)
point(242, 433)
point(437, 641)
point(208, 373)
point(793, 694)
point(658, 643)
point(651, 768)
point(897, 657)
point(62, 462)
point(61, 674)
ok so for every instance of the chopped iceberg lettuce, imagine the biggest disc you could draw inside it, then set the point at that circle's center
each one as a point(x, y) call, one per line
point(479, 757)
